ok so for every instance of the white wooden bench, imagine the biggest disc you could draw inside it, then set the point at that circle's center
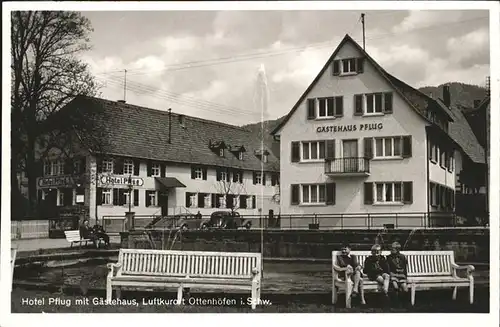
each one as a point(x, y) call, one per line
point(13, 255)
point(73, 236)
point(186, 269)
point(426, 270)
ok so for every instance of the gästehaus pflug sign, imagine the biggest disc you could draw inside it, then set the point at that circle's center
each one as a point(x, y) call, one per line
point(108, 180)
point(349, 128)
point(55, 181)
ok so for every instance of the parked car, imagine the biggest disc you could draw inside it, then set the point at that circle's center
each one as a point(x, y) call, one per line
point(181, 221)
point(226, 220)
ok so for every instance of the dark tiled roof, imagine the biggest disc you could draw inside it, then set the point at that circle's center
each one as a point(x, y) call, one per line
point(140, 132)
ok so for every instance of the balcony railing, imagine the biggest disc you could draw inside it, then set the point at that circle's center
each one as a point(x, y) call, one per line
point(347, 166)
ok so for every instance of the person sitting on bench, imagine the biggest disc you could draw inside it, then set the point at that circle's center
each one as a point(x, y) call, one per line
point(377, 269)
point(398, 270)
point(101, 234)
point(349, 261)
point(86, 232)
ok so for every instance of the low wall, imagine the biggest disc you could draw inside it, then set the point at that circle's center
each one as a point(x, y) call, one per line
point(22, 229)
point(469, 245)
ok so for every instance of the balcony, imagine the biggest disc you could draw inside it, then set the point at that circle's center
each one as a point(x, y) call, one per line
point(347, 167)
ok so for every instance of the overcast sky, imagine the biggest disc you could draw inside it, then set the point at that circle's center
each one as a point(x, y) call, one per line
point(205, 64)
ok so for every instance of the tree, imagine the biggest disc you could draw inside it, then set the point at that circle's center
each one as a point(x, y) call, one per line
point(231, 188)
point(46, 75)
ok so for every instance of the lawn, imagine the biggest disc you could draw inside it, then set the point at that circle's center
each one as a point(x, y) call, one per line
point(437, 301)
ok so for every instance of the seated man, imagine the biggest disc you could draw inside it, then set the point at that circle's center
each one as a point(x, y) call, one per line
point(86, 232)
point(349, 261)
point(377, 269)
point(398, 268)
point(101, 234)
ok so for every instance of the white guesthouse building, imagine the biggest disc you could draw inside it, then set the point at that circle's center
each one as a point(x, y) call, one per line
point(362, 148)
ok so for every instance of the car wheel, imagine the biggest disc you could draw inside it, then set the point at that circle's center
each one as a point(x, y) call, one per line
point(204, 227)
point(248, 225)
point(184, 227)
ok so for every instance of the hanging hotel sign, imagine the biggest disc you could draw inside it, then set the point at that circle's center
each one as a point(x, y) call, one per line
point(119, 180)
point(55, 181)
point(349, 128)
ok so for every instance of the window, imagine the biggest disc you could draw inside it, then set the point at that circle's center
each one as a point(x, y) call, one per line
point(258, 178)
point(221, 152)
point(60, 197)
point(208, 201)
point(222, 201)
point(313, 194)
point(198, 173)
point(77, 167)
point(250, 202)
point(313, 150)
point(377, 103)
point(107, 166)
point(128, 167)
point(236, 176)
point(47, 168)
point(388, 147)
point(155, 169)
point(236, 201)
point(388, 192)
point(151, 198)
point(106, 196)
point(348, 65)
point(433, 194)
point(328, 107)
point(192, 200)
point(264, 158)
point(240, 155)
point(53, 168)
point(223, 175)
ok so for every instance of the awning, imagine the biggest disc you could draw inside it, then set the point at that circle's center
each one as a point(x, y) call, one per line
point(169, 182)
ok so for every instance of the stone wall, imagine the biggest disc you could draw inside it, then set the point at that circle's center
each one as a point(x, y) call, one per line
point(469, 245)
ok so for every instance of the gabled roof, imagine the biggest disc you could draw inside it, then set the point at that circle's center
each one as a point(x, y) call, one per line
point(415, 99)
point(139, 132)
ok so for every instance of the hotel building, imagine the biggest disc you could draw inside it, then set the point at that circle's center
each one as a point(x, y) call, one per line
point(177, 164)
point(362, 148)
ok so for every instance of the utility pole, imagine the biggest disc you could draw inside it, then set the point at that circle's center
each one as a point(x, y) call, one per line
point(125, 86)
point(363, 24)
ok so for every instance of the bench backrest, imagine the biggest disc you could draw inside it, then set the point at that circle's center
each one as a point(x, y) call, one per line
point(188, 263)
point(420, 263)
point(72, 235)
point(13, 255)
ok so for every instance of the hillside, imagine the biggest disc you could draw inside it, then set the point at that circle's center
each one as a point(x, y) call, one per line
point(461, 94)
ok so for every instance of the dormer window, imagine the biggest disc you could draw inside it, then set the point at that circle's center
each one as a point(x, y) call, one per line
point(348, 66)
point(218, 147)
point(221, 152)
point(264, 158)
point(240, 155)
point(181, 121)
point(262, 155)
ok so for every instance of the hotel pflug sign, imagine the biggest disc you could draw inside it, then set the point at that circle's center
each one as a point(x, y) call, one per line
point(56, 181)
point(349, 128)
point(119, 180)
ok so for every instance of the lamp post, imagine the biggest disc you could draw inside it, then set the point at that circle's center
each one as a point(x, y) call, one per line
point(130, 215)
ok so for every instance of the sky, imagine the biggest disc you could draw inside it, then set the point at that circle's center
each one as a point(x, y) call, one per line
point(206, 63)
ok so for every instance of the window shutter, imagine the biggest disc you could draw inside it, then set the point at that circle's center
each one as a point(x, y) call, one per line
point(339, 106)
point(229, 201)
point(68, 167)
point(330, 149)
point(99, 196)
point(429, 149)
point(254, 202)
point(273, 179)
point(149, 167)
point(388, 103)
point(136, 198)
point(204, 171)
point(368, 143)
point(368, 194)
point(336, 67)
point(188, 203)
point(193, 174)
point(295, 151)
point(137, 165)
point(162, 168)
point(254, 178)
point(213, 200)
point(358, 105)
point(228, 177)
point(263, 178)
point(148, 200)
point(68, 196)
point(294, 190)
point(201, 200)
point(99, 165)
point(235, 177)
point(408, 192)
point(219, 175)
point(241, 176)
point(83, 165)
point(330, 194)
point(311, 110)
point(360, 65)
point(452, 200)
point(407, 151)
point(118, 166)
point(243, 201)
point(116, 197)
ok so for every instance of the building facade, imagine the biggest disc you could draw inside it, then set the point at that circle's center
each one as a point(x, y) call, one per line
point(362, 148)
point(155, 163)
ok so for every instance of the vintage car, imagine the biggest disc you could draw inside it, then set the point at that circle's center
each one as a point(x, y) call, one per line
point(181, 221)
point(226, 220)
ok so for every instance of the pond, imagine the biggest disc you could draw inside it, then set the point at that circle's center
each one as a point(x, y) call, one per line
point(283, 277)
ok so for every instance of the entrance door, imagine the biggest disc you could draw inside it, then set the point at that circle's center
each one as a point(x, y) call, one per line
point(163, 203)
point(350, 155)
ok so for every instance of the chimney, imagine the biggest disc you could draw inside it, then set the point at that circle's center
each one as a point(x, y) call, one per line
point(476, 103)
point(121, 101)
point(446, 95)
